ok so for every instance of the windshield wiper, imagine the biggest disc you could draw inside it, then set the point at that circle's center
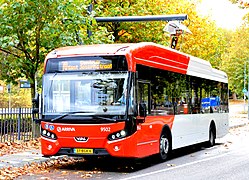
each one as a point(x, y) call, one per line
point(69, 113)
point(105, 118)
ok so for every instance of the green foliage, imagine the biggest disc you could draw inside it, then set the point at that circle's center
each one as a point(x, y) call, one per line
point(32, 28)
point(135, 31)
point(202, 43)
point(241, 3)
point(235, 58)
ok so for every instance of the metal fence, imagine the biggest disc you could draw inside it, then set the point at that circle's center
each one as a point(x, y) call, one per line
point(16, 124)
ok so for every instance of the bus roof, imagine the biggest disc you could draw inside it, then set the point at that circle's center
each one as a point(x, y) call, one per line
point(149, 54)
point(89, 50)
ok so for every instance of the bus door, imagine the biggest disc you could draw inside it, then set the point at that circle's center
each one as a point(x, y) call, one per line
point(145, 139)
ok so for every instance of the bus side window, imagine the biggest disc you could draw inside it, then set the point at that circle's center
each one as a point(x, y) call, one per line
point(143, 94)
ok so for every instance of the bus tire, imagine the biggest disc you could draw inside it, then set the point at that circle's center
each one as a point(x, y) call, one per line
point(164, 146)
point(212, 136)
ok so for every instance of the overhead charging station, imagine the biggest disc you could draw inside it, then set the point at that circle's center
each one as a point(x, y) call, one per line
point(174, 26)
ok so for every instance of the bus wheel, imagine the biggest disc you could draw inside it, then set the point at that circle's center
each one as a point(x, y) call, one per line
point(164, 147)
point(211, 141)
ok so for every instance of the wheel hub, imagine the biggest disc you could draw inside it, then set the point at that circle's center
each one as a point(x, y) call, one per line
point(164, 145)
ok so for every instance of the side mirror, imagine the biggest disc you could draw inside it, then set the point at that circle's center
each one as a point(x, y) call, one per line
point(142, 110)
point(35, 101)
point(35, 106)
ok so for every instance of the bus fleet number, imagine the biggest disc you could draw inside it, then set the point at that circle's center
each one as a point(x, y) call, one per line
point(105, 129)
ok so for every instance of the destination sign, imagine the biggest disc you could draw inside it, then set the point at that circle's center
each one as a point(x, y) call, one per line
point(85, 65)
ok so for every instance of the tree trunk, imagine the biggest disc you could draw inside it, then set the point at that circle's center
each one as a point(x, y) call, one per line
point(234, 96)
point(32, 85)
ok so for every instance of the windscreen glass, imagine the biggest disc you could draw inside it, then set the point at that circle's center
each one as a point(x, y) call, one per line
point(89, 92)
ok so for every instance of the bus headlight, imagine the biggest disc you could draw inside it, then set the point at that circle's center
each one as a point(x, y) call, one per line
point(48, 134)
point(122, 133)
point(44, 132)
point(117, 135)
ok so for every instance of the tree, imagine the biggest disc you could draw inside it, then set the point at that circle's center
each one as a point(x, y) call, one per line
point(136, 31)
point(235, 58)
point(238, 56)
point(241, 3)
point(207, 40)
point(32, 28)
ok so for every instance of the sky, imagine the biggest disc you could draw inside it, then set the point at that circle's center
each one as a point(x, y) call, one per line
point(226, 14)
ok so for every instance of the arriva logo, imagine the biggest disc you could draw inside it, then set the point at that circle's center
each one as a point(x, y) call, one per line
point(65, 129)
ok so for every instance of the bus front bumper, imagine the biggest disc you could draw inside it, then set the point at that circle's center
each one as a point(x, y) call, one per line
point(119, 148)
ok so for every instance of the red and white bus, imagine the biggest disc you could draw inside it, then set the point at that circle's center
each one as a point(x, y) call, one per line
point(129, 100)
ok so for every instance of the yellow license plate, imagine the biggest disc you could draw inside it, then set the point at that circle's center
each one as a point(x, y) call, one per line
point(83, 151)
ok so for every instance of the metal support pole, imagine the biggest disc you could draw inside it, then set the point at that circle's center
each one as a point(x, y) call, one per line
point(89, 9)
point(9, 91)
point(19, 124)
point(244, 87)
point(248, 94)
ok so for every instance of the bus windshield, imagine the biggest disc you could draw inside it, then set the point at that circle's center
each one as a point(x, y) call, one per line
point(89, 92)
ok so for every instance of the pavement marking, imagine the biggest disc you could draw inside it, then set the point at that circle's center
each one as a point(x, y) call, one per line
point(176, 167)
point(37, 158)
point(27, 159)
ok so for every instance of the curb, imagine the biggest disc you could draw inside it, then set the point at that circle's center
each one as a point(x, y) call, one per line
point(238, 125)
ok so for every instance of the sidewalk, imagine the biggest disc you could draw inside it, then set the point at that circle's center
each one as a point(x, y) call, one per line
point(34, 156)
point(21, 159)
point(238, 120)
